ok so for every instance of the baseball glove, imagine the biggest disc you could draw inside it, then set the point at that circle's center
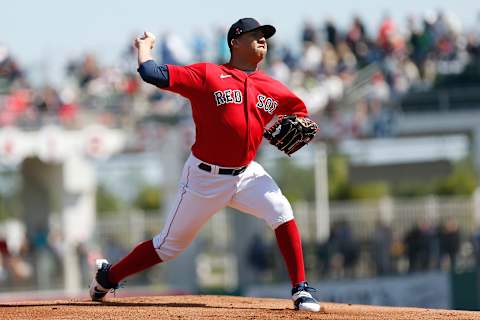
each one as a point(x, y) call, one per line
point(290, 133)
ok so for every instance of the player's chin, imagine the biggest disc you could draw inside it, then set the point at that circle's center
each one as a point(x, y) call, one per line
point(261, 53)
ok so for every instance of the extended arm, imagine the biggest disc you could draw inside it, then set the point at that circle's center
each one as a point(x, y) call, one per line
point(154, 74)
point(148, 69)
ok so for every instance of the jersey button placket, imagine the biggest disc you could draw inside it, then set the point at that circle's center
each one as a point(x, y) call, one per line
point(247, 111)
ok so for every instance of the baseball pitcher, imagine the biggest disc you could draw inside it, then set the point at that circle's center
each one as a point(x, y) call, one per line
point(231, 106)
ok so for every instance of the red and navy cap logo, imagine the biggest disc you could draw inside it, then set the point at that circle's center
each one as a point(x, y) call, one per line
point(238, 31)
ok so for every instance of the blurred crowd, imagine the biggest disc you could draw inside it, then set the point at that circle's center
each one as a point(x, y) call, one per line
point(423, 247)
point(35, 260)
point(329, 66)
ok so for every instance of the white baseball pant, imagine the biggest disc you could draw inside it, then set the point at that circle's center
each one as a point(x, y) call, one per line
point(201, 194)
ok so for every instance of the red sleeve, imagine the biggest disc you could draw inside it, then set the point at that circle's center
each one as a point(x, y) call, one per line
point(186, 80)
point(290, 103)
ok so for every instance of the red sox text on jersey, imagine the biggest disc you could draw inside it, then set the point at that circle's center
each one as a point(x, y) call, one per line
point(230, 109)
point(235, 96)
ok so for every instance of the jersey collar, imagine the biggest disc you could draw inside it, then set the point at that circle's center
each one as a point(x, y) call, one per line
point(239, 73)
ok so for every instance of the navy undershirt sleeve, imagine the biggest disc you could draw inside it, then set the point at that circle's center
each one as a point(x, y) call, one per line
point(154, 74)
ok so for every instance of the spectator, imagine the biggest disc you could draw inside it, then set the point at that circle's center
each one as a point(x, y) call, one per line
point(199, 46)
point(3, 259)
point(414, 36)
point(48, 101)
point(312, 58)
point(88, 71)
point(386, 34)
point(419, 243)
point(476, 246)
point(173, 50)
point(331, 32)
point(449, 238)
point(221, 47)
point(356, 33)
point(279, 70)
point(9, 69)
point(382, 245)
point(309, 33)
point(473, 46)
point(417, 248)
point(259, 256)
point(344, 249)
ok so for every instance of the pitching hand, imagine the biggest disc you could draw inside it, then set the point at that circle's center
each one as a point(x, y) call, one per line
point(146, 40)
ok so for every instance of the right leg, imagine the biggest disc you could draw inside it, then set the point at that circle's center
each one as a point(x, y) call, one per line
point(201, 194)
point(259, 195)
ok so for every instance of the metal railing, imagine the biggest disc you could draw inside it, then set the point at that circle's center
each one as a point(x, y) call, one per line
point(118, 233)
point(442, 100)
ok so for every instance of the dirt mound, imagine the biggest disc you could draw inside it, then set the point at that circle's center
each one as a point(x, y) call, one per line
point(210, 307)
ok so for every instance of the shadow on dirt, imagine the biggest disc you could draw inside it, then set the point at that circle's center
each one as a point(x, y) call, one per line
point(126, 304)
point(106, 303)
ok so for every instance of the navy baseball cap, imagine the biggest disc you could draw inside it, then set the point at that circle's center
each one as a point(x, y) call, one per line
point(247, 25)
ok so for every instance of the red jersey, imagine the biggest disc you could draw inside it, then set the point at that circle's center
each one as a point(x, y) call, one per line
point(231, 109)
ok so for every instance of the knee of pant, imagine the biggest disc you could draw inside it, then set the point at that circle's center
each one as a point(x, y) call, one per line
point(168, 249)
point(281, 213)
point(167, 254)
point(274, 224)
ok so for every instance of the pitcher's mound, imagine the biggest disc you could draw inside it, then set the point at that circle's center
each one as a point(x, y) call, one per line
point(211, 308)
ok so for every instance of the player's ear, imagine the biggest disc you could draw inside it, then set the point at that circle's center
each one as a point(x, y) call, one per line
point(234, 43)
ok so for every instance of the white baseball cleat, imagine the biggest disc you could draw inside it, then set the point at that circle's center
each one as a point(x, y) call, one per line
point(303, 300)
point(100, 285)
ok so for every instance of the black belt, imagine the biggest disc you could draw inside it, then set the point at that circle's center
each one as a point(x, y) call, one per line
point(231, 172)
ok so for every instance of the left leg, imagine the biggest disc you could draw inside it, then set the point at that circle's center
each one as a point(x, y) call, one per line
point(259, 195)
point(199, 196)
point(290, 245)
